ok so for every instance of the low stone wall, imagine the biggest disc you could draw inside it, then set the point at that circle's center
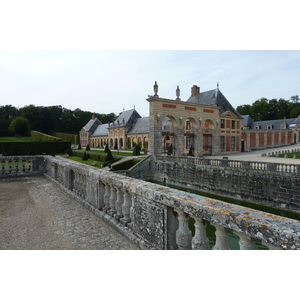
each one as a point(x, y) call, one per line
point(270, 184)
point(157, 217)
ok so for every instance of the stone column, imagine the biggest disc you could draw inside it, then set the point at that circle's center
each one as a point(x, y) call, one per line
point(126, 208)
point(106, 197)
point(112, 201)
point(221, 238)
point(119, 203)
point(245, 241)
point(200, 240)
point(183, 233)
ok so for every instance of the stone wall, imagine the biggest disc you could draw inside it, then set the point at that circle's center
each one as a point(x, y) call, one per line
point(158, 217)
point(269, 184)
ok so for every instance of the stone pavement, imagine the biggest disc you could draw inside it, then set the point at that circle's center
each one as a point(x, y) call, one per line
point(257, 155)
point(36, 214)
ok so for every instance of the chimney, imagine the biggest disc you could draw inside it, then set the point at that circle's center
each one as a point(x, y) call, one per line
point(195, 91)
point(93, 117)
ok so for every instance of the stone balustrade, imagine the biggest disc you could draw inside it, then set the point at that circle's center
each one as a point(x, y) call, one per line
point(158, 217)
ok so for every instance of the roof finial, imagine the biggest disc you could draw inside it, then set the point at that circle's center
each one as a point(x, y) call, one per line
point(217, 84)
point(134, 106)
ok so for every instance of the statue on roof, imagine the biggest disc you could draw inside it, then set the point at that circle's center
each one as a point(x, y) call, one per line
point(178, 93)
point(155, 88)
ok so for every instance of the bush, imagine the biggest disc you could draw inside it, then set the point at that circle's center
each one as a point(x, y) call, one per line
point(19, 126)
point(106, 148)
point(79, 147)
point(136, 150)
point(88, 147)
point(125, 165)
point(109, 156)
point(44, 137)
point(84, 157)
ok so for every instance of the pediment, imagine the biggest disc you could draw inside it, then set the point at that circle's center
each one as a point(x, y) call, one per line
point(229, 114)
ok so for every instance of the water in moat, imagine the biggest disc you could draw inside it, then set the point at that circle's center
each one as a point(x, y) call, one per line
point(233, 240)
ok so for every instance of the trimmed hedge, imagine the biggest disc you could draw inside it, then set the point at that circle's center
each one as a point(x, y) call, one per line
point(44, 137)
point(33, 148)
point(125, 165)
point(73, 138)
point(5, 133)
point(94, 156)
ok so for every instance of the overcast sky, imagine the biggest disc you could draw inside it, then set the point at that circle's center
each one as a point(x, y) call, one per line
point(108, 81)
point(105, 56)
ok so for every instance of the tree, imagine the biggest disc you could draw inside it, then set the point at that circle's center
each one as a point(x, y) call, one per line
point(244, 109)
point(19, 126)
point(109, 156)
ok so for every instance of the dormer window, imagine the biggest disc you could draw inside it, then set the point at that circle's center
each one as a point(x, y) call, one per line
point(256, 127)
point(269, 126)
point(188, 125)
point(283, 126)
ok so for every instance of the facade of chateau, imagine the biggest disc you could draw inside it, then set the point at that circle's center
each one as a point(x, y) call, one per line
point(204, 124)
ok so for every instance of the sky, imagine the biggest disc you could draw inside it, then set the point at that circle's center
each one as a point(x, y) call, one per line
point(105, 81)
point(104, 57)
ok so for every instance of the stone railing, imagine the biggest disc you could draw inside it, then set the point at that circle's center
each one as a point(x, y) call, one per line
point(158, 217)
point(236, 164)
point(14, 166)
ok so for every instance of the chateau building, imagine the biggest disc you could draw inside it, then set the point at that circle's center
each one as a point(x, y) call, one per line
point(204, 124)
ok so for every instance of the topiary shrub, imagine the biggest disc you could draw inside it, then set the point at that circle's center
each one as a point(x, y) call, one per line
point(109, 155)
point(79, 147)
point(136, 150)
point(106, 148)
point(84, 157)
point(88, 147)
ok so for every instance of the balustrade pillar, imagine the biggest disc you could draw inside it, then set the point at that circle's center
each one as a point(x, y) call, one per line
point(126, 208)
point(112, 201)
point(106, 197)
point(119, 202)
point(245, 241)
point(6, 168)
point(183, 233)
point(221, 238)
point(200, 240)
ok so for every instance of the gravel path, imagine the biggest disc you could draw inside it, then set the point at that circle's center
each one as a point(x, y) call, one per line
point(36, 214)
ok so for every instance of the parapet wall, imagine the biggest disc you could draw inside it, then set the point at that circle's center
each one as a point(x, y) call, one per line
point(158, 217)
point(270, 184)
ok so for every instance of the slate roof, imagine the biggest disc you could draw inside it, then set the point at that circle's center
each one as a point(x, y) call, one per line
point(263, 125)
point(141, 125)
point(101, 130)
point(127, 118)
point(92, 124)
point(297, 121)
point(216, 98)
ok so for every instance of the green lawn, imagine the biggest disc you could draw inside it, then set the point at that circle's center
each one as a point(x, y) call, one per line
point(114, 152)
point(88, 162)
point(15, 139)
point(289, 155)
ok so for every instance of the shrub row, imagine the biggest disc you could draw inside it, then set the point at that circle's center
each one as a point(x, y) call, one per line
point(125, 165)
point(33, 148)
point(5, 133)
point(94, 156)
point(39, 136)
point(73, 138)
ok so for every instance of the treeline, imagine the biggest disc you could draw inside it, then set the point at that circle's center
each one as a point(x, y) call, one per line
point(50, 118)
point(265, 109)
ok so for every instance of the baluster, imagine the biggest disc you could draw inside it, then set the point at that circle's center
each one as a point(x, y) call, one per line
point(13, 167)
point(119, 202)
point(6, 168)
point(126, 208)
point(221, 238)
point(245, 241)
point(183, 233)
point(20, 166)
point(112, 201)
point(106, 197)
point(200, 240)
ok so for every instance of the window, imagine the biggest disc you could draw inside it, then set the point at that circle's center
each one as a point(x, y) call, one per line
point(232, 142)
point(232, 124)
point(269, 126)
point(222, 123)
point(222, 142)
